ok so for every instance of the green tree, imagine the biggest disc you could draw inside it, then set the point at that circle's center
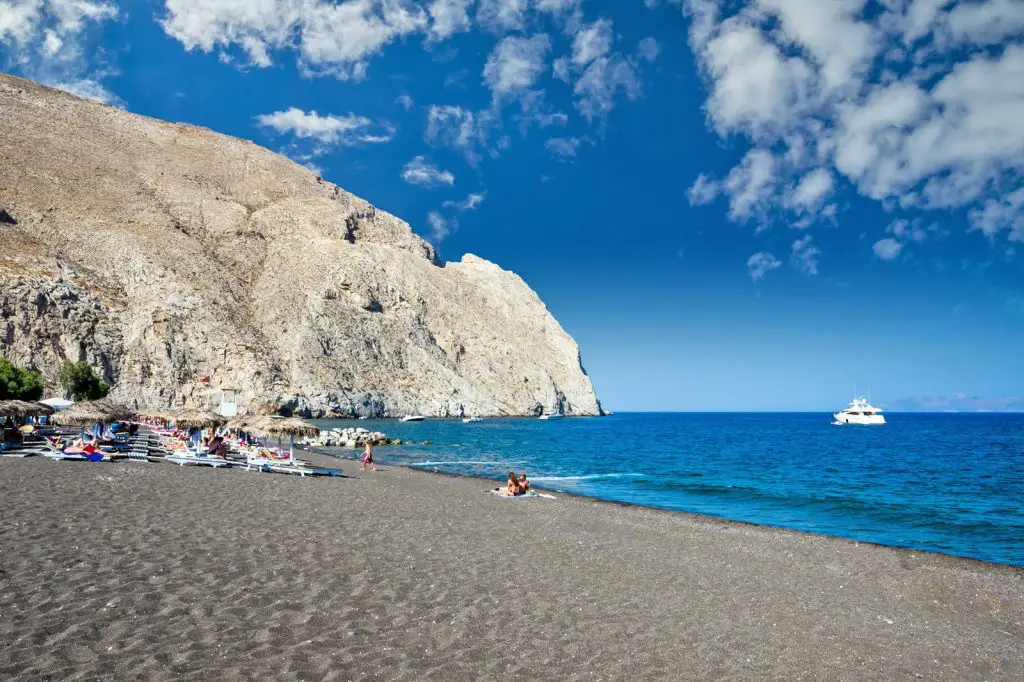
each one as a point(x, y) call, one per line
point(80, 381)
point(19, 384)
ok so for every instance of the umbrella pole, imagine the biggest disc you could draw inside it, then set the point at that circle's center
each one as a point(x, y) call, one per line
point(291, 448)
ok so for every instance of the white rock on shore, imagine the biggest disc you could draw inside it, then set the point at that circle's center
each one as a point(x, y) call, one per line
point(349, 438)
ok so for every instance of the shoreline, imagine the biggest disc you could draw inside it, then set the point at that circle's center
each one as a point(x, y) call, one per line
point(127, 571)
point(695, 516)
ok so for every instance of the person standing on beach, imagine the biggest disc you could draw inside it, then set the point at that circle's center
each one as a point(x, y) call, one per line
point(368, 458)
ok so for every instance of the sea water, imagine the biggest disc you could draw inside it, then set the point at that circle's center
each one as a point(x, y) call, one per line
point(951, 483)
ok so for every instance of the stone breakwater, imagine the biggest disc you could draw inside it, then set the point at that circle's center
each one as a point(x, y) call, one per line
point(350, 438)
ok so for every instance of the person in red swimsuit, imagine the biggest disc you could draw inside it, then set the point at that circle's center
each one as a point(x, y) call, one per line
point(368, 458)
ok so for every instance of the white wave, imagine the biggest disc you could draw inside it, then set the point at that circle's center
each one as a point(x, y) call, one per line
point(585, 477)
point(434, 464)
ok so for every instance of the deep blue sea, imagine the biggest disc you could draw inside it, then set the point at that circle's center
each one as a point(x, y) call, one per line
point(951, 483)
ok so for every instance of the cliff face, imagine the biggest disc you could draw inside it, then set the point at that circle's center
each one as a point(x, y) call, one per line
point(161, 253)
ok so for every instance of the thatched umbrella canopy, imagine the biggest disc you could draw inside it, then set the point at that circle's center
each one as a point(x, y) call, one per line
point(23, 408)
point(239, 423)
point(92, 412)
point(194, 418)
point(150, 414)
point(291, 427)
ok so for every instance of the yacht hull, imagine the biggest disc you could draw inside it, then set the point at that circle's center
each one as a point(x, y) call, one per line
point(863, 420)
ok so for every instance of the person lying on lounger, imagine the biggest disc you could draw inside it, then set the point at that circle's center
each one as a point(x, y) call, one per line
point(80, 447)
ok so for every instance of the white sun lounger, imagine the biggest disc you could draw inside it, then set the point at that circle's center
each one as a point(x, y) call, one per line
point(214, 462)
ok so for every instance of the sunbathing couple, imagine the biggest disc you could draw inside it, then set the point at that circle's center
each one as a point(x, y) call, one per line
point(80, 447)
point(517, 485)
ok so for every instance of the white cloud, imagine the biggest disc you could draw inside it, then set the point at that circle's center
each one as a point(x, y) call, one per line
point(515, 65)
point(420, 172)
point(812, 189)
point(996, 214)
point(404, 101)
point(751, 185)
point(46, 40)
point(330, 38)
point(88, 89)
point(555, 6)
point(600, 74)
point(591, 42)
point(887, 249)
point(439, 226)
point(755, 87)
point(888, 100)
point(986, 23)
point(458, 128)
point(703, 191)
point(648, 49)
point(760, 264)
point(563, 148)
point(347, 130)
point(19, 19)
point(500, 16)
point(470, 203)
point(804, 256)
point(601, 82)
point(448, 18)
point(536, 110)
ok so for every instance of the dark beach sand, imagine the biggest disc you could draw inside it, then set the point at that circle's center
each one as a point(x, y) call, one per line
point(157, 571)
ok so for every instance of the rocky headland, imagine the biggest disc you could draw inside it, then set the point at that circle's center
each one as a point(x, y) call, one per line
point(162, 253)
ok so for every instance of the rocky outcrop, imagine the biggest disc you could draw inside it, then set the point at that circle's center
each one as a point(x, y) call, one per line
point(162, 253)
point(350, 438)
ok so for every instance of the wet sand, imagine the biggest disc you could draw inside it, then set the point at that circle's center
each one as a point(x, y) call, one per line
point(125, 571)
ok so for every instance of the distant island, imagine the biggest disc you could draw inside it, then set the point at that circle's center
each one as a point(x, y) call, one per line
point(958, 402)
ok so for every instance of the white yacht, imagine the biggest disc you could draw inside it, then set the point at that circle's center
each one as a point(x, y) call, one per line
point(550, 415)
point(413, 418)
point(471, 420)
point(859, 412)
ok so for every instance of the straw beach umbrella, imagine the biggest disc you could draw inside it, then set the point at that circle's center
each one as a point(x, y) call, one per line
point(194, 418)
point(100, 411)
point(245, 423)
point(270, 426)
point(23, 408)
point(291, 427)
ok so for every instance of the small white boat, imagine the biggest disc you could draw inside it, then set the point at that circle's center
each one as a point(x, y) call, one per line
point(471, 420)
point(859, 412)
point(551, 415)
point(413, 418)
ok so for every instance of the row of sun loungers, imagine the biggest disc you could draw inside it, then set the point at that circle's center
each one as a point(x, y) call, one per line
point(152, 445)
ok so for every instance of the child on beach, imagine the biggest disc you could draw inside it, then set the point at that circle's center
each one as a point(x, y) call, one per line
point(368, 458)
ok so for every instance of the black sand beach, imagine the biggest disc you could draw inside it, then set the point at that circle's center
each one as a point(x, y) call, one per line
point(154, 571)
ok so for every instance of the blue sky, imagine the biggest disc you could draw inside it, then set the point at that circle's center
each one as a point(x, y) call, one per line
point(756, 204)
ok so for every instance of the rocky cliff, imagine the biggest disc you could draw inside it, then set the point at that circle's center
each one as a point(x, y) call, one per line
point(161, 253)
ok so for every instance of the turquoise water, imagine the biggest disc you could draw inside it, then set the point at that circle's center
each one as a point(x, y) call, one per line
point(951, 483)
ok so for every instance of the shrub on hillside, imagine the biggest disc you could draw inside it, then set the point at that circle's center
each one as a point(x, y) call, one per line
point(81, 382)
point(19, 384)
